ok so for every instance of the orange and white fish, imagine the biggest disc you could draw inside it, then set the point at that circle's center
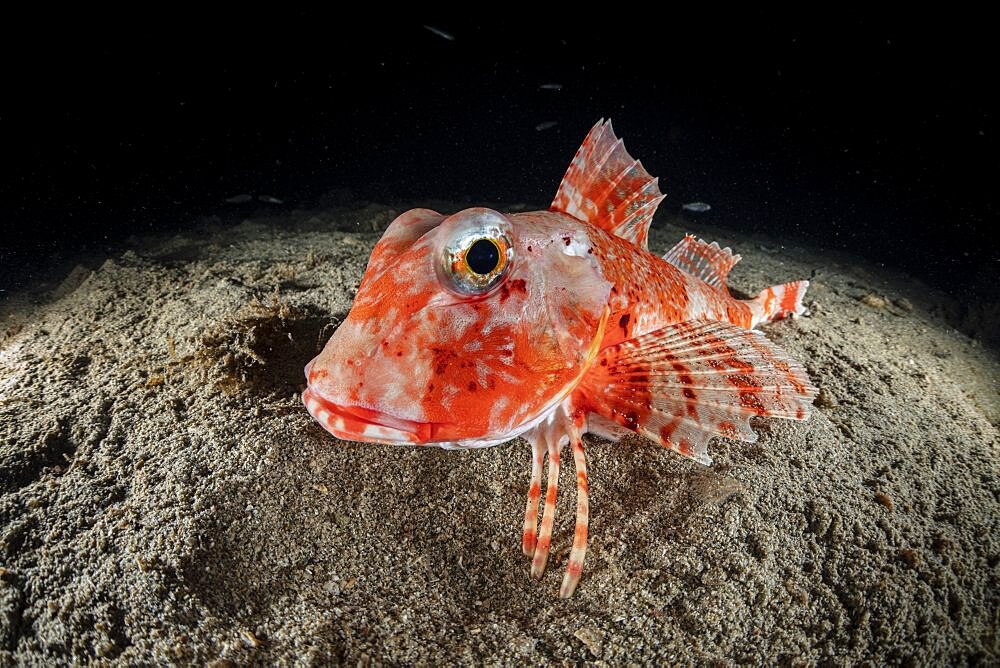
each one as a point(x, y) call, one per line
point(471, 329)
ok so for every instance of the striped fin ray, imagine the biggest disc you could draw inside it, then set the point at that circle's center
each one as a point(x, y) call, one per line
point(690, 382)
point(606, 187)
point(702, 260)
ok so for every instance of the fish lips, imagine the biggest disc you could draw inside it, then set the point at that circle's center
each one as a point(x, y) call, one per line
point(356, 423)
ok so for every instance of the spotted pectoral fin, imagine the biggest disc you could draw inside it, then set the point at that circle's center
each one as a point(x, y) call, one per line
point(689, 382)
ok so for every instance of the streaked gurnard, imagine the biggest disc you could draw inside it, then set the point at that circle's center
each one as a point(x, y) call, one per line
point(472, 329)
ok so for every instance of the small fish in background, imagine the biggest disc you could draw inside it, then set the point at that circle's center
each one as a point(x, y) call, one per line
point(547, 125)
point(441, 33)
point(474, 328)
point(239, 199)
point(270, 199)
point(697, 207)
point(550, 86)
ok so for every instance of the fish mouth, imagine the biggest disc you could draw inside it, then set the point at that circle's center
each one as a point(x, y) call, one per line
point(356, 423)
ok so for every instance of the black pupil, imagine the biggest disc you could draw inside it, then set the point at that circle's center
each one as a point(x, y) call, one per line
point(483, 256)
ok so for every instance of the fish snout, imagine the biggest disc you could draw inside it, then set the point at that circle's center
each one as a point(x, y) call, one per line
point(358, 423)
point(367, 386)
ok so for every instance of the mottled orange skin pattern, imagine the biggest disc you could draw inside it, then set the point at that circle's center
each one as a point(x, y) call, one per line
point(648, 292)
point(575, 327)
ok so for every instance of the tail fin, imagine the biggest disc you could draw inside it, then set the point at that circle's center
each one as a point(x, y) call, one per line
point(778, 301)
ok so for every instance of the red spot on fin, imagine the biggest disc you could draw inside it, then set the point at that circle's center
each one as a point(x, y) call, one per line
point(606, 187)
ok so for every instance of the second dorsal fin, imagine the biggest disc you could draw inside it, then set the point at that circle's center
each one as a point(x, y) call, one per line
point(702, 260)
point(606, 187)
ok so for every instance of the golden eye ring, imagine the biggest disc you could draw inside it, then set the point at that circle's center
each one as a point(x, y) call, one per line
point(483, 256)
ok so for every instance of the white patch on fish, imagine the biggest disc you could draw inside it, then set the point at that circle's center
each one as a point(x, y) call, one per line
point(498, 407)
point(577, 247)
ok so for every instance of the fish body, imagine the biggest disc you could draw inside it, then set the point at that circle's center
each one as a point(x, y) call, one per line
point(471, 329)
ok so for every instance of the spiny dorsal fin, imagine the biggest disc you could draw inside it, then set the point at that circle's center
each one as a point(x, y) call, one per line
point(606, 187)
point(692, 381)
point(702, 260)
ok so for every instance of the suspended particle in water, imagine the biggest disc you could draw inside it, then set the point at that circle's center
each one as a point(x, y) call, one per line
point(697, 207)
point(441, 33)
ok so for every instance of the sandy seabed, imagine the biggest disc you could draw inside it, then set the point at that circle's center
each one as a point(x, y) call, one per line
point(164, 496)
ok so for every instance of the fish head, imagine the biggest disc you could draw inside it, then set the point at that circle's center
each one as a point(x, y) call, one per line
point(465, 331)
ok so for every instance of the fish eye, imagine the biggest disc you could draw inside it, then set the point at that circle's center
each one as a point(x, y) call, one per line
point(483, 256)
point(477, 264)
point(476, 254)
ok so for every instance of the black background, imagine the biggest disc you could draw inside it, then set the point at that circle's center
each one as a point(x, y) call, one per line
point(872, 134)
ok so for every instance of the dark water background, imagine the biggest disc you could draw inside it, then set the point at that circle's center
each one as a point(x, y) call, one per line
point(871, 134)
